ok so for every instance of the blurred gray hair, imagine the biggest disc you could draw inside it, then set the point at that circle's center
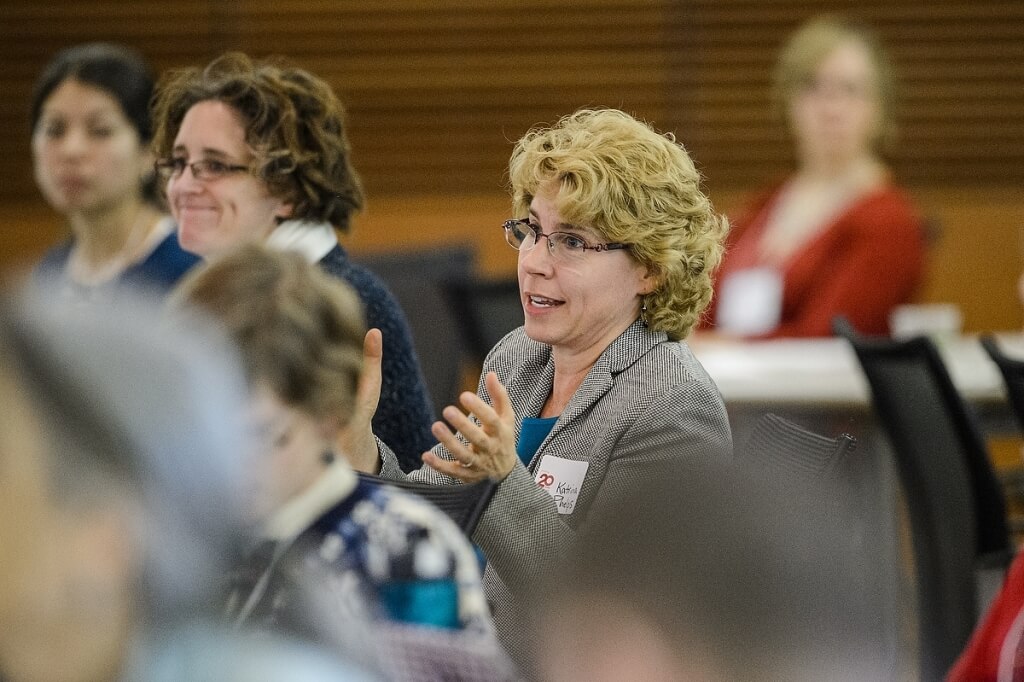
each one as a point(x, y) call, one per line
point(149, 407)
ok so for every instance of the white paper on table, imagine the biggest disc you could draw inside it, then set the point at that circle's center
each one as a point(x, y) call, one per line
point(750, 302)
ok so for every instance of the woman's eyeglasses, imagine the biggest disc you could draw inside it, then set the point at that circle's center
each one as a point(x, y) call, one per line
point(207, 169)
point(523, 236)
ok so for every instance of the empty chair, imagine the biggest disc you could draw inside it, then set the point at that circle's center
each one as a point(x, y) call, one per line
point(417, 278)
point(956, 504)
point(485, 310)
point(1012, 370)
point(464, 503)
point(790, 450)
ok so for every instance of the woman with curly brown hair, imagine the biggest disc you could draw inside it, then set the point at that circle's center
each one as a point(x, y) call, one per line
point(257, 152)
point(597, 394)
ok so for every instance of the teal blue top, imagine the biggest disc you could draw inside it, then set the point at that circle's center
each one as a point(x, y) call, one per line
point(533, 433)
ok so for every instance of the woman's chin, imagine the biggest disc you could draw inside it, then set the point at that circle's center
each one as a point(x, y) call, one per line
point(196, 242)
point(539, 332)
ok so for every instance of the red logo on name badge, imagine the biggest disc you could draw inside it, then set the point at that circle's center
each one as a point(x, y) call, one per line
point(544, 479)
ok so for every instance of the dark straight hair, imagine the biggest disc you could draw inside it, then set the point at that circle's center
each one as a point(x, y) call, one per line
point(119, 71)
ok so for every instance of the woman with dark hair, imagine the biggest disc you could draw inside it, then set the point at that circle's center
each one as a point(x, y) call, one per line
point(90, 144)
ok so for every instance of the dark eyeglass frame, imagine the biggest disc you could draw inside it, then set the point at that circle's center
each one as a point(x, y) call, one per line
point(510, 225)
point(204, 169)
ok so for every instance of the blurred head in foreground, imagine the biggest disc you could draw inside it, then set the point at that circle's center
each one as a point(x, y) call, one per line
point(118, 461)
point(300, 335)
point(714, 578)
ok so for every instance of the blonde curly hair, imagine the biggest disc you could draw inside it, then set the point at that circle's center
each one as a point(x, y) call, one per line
point(617, 175)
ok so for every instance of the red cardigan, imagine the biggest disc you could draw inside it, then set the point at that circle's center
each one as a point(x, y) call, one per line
point(980, 660)
point(870, 260)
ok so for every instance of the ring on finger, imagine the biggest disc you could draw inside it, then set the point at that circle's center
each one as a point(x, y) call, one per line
point(470, 463)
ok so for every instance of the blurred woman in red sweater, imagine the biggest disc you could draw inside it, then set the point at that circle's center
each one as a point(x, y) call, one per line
point(836, 236)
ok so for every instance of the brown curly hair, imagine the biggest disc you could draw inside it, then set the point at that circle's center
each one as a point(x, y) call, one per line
point(294, 125)
point(620, 177)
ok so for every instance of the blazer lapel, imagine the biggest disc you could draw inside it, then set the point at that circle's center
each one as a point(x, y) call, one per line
point(531, 385)
point(629, 347)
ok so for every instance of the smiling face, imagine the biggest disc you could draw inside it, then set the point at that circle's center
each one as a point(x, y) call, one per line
point(219, 214)
point(88, 156)
point(577, 307)
point(837, 115)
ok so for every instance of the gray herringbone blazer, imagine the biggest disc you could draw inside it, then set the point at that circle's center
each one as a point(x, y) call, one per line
point(647, 404)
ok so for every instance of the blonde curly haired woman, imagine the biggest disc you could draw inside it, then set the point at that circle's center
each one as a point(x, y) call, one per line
point(596, 393)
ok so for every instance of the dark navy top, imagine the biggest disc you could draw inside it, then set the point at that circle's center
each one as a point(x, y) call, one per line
point(161, 270)
point(404, 414)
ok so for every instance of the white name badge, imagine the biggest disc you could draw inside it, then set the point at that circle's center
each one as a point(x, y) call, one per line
point(562, 478)
point(750, 302)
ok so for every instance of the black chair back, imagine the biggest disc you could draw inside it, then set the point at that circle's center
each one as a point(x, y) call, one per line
point(417, 279)
point(791, 451)
point(485, 310)
point(956, 504)
point(1012, 370)
point(464, 503)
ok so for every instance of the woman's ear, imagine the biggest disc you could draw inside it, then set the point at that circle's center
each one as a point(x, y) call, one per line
point(284, 211)
point(146, 160)
point(650, 281)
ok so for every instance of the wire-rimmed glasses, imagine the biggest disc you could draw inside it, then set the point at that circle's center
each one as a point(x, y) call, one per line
point(204, 169)
point(522, 236)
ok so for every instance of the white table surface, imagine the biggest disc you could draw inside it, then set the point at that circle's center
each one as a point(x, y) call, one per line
point(825, 372)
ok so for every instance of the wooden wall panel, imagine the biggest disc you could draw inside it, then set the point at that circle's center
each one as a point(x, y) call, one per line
point(960, 67)
point(438, 90)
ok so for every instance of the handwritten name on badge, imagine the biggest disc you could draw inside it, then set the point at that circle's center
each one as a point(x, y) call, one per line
point(562, 478)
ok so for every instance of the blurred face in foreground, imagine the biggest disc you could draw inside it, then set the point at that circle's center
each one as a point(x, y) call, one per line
point(67, 569)
point(294, 444)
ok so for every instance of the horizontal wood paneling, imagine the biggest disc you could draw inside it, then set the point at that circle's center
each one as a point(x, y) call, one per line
point(438, 90)
point(961, 68)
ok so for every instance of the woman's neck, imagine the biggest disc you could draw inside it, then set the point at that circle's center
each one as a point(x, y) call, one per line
point(810, 202)
point(108, 241)
point(857, 171)
point(570, 371)
point(102, 234)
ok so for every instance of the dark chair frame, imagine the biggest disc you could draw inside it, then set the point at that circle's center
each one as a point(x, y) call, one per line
point(788, 448)
point(946, 588)
point(1012, 371)
point(468, 300)
point(464, 503)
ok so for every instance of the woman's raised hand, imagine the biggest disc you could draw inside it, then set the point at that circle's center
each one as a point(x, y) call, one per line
point(491, 449)
point(356, 439)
